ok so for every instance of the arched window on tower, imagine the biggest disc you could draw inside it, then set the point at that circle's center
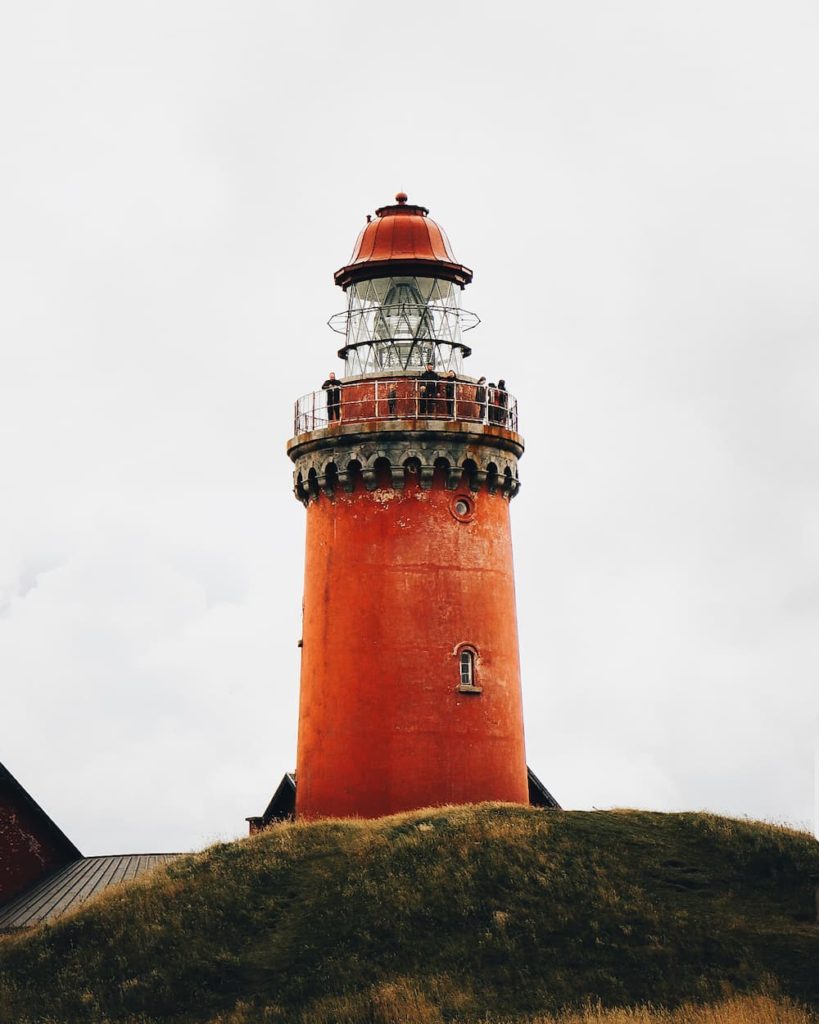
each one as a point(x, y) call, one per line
point(467, 667)
point(467, 676)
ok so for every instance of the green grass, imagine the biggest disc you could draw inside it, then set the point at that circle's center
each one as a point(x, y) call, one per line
point(474, 913)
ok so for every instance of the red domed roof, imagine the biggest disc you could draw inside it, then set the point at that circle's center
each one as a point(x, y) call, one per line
point(402, 239)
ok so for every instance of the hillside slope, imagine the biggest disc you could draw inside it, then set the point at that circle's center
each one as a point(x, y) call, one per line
point(492, 909)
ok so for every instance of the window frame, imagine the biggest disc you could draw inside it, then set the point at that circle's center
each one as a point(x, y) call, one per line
point(473, 686)
point(462, 517)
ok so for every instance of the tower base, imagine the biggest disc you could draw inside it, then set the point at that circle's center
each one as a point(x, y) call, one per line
point(282, 806)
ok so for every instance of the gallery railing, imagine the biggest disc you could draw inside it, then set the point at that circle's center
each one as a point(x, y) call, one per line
point(405, 398)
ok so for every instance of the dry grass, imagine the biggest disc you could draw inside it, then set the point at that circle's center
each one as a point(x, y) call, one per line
point(403, 1002)
point(756, 1009)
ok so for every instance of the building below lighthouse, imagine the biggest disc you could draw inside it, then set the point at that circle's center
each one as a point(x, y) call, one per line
point(410, 692)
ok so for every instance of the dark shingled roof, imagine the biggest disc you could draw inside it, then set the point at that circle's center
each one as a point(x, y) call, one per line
point(74, 884)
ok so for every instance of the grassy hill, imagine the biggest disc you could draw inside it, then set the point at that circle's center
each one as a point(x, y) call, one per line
point(473, 914)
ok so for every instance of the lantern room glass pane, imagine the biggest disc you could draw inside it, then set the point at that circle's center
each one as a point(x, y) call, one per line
point(400, 355)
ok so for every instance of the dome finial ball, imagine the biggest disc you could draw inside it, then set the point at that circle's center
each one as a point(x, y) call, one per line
point(401, 198)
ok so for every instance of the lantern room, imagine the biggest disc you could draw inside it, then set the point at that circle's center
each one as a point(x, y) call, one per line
point(403, 288)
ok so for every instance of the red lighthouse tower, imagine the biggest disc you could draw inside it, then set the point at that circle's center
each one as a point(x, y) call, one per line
point(410, 678)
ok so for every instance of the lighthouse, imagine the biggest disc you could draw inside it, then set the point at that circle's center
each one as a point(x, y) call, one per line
point(407, 464)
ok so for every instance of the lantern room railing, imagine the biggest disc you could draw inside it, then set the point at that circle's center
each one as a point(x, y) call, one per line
point(403, 320)
point(404, 398)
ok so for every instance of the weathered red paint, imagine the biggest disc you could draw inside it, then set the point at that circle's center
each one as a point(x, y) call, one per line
point(394, 583)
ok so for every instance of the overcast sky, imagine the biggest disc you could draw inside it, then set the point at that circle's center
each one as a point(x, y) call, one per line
point(635, 187)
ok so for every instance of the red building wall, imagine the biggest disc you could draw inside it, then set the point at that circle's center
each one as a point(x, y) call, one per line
point(30, 845)
point(394, 582)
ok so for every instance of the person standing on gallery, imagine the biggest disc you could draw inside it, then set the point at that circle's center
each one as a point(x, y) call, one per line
point(503, 403)
point(333, 389)
point(492, 409)
point(480, 398)
point(450, 394)
point(428, 391)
